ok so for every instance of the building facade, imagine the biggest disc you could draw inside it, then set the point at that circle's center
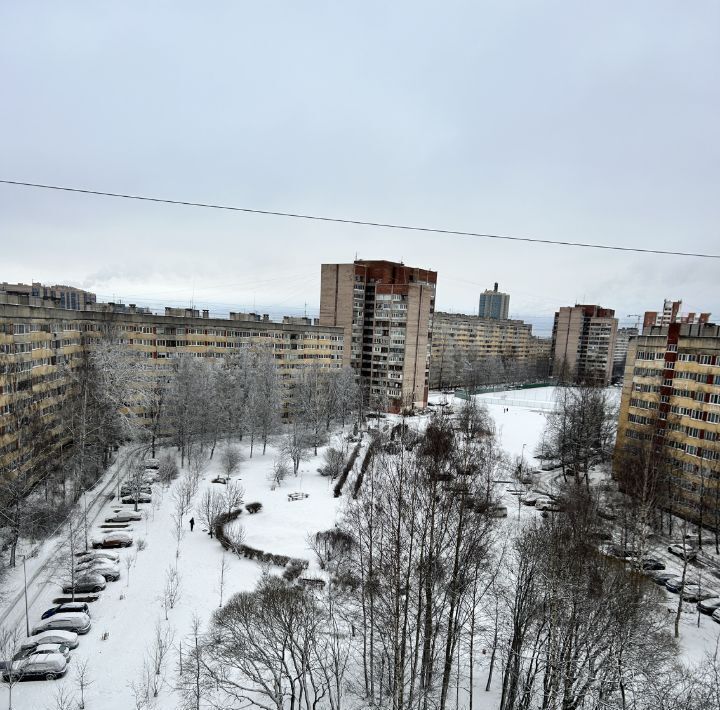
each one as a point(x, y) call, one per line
point(62, 296)
point(671, 314)
point(385, 310)
point(622, 342)
point(40, 344)
point(583, 343)
point(494, 304)
point(460, 341)
point(670, 411)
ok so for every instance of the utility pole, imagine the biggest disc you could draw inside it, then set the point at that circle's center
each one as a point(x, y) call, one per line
point(27, 618)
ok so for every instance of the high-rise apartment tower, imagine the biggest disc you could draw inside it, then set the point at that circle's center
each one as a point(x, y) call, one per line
point(385, 309)
point(494, 304)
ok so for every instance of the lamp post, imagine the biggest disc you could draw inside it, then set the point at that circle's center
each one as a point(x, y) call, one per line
point(27, 618)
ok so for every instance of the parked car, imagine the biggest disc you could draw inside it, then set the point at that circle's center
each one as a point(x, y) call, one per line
point(72, 621)
point(152, 463)
point(221, 479)
point(106, 568)
point(99, 555)
point(716, 615)
point(137, 498)
point(689, 553)
point(130, 490)
point(67, 607)
point(674, 584)
point(43, 649)
point(542, 502)
point(67, 638)
point(86, 582)
point(624, 553)
point(661, 576)
point(531, 498)
point(48, 666)
point(650, 563)
point(124, 518)
point(498, 511)
point(696, 593)
point(117, 538)
point(708, 606)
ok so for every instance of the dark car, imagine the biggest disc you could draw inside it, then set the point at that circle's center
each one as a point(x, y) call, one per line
point(661, 576)
point(124, 518)
point(89, 582)
point(69, 606)
point(117, 538)
point(650, 563)
point(674, 584)
point(708, 606)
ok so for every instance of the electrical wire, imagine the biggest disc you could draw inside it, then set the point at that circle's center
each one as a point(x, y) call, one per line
point(357, 222)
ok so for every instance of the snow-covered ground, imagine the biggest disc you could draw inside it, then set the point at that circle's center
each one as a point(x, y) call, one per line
point(129, 610)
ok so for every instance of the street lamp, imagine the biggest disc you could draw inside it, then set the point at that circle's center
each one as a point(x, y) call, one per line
point(27, 619)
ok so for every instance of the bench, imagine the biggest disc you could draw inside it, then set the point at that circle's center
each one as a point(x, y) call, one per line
point(297, 496)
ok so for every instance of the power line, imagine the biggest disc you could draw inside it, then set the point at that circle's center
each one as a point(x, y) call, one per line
point(357, 222)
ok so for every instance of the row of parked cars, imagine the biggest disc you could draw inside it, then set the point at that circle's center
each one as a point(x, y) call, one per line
point(45, 654)
point(707, 600)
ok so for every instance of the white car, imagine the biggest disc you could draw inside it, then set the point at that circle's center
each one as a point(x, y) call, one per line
point(67, 638)
point(43, 649)
point(79, 623)
point(47, 665)
point(716, 615)
point(99, 555)
point(687, 553)
point(109, 570)
point(531, 498)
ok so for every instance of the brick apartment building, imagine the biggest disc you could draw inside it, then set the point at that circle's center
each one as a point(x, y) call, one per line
point(583, 342)
point(670, 412)
point(385, 310)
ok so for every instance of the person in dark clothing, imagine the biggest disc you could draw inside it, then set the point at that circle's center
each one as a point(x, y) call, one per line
point(192, 524)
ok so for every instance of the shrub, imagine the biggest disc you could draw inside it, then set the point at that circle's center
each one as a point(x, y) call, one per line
point(294, 568)
point(334, 461)
point(141, 544)
point(253, 508)
point(168, 470)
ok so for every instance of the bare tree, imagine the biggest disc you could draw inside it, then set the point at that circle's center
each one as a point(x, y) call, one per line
point(230, 459)
point(130, 561)
point(233, 496)
point(10, 640)
point(279, 472)
point(172, 589)
point(223, 569)
point(211, 505)
point(83, 680)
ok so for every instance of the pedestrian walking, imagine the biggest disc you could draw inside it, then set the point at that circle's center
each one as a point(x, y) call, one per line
point(192, 524)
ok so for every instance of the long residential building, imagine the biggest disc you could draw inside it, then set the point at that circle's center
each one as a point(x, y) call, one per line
point(583, 342)
point(459, 342)
point(670, 413)
point(385, 310)
point(41, 343)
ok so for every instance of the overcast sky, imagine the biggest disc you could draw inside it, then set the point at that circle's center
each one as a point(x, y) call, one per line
point(585, 121)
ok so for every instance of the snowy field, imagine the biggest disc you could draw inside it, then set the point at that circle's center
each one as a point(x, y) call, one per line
point(127, 613)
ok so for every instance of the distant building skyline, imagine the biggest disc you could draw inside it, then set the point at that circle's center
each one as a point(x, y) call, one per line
point(494, 304)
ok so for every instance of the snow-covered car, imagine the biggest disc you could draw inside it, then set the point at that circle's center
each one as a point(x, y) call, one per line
point(124, 518)
point(677, 550)
point(650, 563)
point(530, 498)
point(71, 621)
point(67, 607)
point(151, 463)
point(696, 593)
point(716, 615)
point(117, 538)
point(99, 555)
point(623, 553)
point(109, 570)
point(131, 490)
point(137, 498)
point(67, 638)
point(48, 666)
point(85, 582)
point(708, 606)
point(43, 648)
point(498, 511)
point(549, 505)
point(661, 576)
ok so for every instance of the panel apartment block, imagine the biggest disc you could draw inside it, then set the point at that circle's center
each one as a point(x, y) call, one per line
point(385, 310)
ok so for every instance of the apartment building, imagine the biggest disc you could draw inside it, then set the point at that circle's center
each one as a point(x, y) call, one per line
point(622, 342)
point(40, 344)
point(460, 341)
point(583, 343)
point(671, 314)
point(494, 304)
point(385, 310)
point(671, 408)
point(62, 296)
